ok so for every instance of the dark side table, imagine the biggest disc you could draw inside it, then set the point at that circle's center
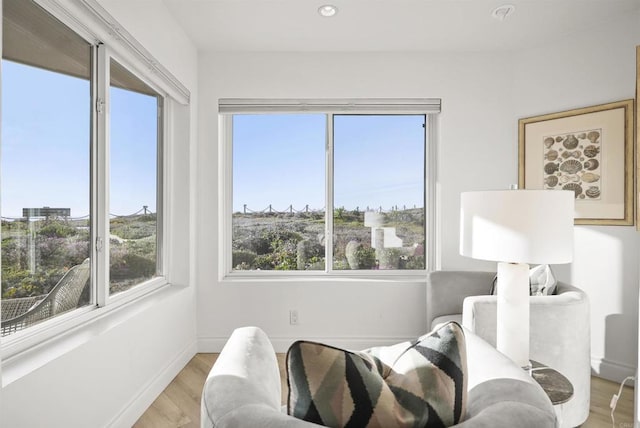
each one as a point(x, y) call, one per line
point(554, 383)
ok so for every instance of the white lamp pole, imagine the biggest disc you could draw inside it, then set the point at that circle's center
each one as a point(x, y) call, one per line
point(514, 228)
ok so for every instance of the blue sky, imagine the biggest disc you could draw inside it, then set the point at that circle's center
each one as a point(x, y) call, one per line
point(280, 160)
point(46, 144)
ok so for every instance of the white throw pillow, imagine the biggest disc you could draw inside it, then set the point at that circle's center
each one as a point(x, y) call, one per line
point(542, 281)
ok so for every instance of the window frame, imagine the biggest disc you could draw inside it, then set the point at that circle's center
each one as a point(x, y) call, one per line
point(107, 40)
point(330, 108)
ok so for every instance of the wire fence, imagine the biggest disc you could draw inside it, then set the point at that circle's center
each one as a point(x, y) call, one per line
point(307, 210)
point(142, 211)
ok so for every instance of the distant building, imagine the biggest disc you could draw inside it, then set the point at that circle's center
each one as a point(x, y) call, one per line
point(46, 212)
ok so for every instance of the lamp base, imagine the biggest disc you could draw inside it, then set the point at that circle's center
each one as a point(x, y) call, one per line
point(512, 337)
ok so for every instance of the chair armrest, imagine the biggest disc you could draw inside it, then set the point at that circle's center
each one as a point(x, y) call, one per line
point(245, 374)
point(446, 291)
point(560, 338)
point(569, 308)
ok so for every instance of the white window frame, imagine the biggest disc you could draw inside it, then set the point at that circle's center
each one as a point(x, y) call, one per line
point(26, 349)
point(329, 107)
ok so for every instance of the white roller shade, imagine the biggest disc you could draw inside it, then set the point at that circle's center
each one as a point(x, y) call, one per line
point(287, 105)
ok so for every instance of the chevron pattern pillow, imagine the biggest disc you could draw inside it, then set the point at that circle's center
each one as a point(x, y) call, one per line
point(412, 384)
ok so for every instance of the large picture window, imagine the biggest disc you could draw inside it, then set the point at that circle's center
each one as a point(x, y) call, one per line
point(327, 192)
point(55, 161)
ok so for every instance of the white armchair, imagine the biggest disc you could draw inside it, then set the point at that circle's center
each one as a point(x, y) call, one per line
point(560, 334)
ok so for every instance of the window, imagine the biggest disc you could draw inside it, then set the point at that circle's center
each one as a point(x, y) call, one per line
point(81, 171)
point(324, 191)
point(135, 164)
point(379, 190)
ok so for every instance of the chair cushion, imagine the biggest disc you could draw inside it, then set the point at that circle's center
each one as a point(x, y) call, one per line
point(420, 383)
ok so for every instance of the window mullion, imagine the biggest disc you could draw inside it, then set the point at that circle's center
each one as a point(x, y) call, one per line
point(432, 199)
point(101, 174)
point(328, 242)
point(226, 196)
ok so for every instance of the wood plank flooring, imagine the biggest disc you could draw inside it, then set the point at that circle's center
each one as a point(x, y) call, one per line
point(179, 404)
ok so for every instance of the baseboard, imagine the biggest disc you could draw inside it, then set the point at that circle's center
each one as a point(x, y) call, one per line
point(611, 370)
point(149, 392)
point(281, 344)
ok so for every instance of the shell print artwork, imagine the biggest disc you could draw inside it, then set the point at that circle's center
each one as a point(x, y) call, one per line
point(575, 154)
point(591, 151)
point(573, 161)
point(594, 136)
point(590, 177)
point(593, 192)
point(551, 167)
point(571, 142)
point(591, 164)
point(571, 166)
point(577, 189)
point(551, 155)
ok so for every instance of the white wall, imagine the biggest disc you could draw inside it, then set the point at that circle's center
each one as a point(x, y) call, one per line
point(121, 363)
point(591, 68)
point(483, 96)
point(475, 110)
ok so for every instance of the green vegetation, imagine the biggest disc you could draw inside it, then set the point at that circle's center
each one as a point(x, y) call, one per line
point(35, 255)
point(295, 241)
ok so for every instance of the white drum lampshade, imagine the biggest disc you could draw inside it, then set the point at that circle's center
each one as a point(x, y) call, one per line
point(515, 228)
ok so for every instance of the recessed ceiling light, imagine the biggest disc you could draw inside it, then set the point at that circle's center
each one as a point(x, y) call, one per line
point(502, 12)
point(327, 10)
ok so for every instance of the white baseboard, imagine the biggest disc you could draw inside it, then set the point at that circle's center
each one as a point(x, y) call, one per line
point(281, 344)
point(611, 370)
point(149, 392)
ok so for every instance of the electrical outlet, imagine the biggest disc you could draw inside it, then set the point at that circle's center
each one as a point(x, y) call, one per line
point(293, 317)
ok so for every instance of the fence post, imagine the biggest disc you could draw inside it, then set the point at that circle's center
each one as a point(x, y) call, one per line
point(245, 208)
point(270, 209)
point(306, 208)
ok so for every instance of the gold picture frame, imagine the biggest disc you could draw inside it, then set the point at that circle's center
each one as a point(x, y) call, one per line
point(588, 150)
point(637, 136)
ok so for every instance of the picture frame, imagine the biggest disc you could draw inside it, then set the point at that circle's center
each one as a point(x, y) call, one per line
point(588, 150)
point(637, 136)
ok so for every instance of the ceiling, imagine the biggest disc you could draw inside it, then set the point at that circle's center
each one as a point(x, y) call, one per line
point(388, 25)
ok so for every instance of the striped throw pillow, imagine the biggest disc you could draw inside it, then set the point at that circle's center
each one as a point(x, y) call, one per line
point(412, 384)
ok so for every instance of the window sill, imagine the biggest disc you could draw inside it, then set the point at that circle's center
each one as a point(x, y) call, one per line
point(28, 350)
point(311, 277)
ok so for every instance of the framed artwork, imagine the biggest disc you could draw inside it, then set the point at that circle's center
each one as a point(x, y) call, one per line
point(587, 150)
point(637, 137)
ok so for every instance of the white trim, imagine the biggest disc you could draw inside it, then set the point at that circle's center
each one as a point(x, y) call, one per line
point(225, 195)
point(37, 338)
point(32, 348)
point(329, 194)
point(228, 107)
point(94, 23)
point(100, 209)
point(351, 105)
point(141, 401)
point(308, 277)
point(611, 370)
point(281, 344)
point(165, 179)
point(431, 202)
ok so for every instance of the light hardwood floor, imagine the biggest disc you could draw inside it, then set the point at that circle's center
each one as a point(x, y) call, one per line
point(179, 404)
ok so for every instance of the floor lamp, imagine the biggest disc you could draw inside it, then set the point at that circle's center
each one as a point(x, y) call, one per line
point(514, 228)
